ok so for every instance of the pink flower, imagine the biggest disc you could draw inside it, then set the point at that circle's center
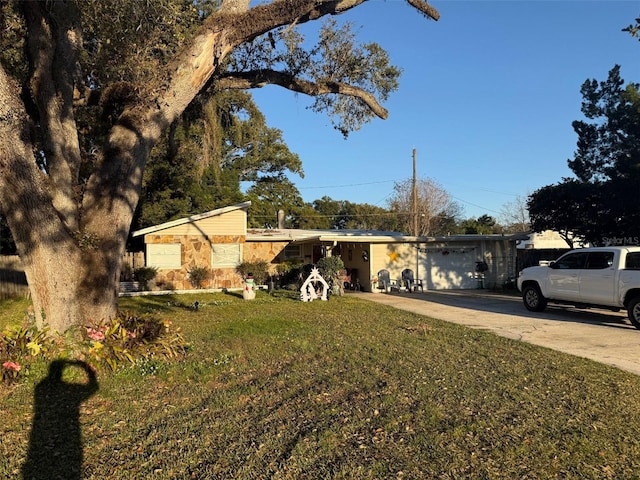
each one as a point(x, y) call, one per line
point(95, 335)
point(12, 366)
point(131, 334)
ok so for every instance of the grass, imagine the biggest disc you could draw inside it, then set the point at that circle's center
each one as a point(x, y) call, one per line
point(346, 389)
point(13, 311)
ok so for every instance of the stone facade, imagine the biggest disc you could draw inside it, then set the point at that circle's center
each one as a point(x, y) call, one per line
point(271, 252)
point(196, 252)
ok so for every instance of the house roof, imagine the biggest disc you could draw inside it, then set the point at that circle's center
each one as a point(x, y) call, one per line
point(357, 236)
point(295, 235)
point(192, 218)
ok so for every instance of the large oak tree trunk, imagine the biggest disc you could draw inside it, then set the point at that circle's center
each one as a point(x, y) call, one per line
point(71, 229)
point(70, 285)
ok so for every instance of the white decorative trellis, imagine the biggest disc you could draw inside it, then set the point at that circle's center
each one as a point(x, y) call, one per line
point(309, 291)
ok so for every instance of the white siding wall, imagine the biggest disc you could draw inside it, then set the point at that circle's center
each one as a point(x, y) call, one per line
point(231, 223)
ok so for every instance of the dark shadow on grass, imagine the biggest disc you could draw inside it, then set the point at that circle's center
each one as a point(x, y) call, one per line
point(55, 445)
point(233, 294)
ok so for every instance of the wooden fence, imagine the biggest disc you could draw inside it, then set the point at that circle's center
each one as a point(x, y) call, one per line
point(133, 259)
point(13, 281)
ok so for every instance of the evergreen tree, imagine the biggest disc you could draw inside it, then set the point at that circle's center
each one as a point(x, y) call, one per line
point(601, 202)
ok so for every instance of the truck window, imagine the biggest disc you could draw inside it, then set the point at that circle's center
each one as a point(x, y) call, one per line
point(599, 260)
point(633, 261)
point(571, 261)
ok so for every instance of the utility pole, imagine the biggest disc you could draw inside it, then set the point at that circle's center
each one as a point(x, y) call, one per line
point(414, 208)
point(414, 196)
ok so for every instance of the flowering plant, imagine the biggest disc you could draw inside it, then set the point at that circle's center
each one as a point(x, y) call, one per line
point(20, 345)
point(96, 335)
point(129, 337)
point(10, 371)
point(126, 339)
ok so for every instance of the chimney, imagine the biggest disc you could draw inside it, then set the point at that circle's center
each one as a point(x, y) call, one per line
point(280, 219)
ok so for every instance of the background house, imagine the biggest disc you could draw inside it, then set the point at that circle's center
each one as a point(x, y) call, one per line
point(533, 248)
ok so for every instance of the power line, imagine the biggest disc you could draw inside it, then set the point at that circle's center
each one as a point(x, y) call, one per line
point(348, 185)
point(476, 205)
point(320, 215)
point(399, 180)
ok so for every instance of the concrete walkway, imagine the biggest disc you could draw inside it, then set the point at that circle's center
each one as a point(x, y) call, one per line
point(599, 335)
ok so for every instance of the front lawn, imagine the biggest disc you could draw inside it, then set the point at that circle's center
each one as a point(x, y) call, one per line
point(277, 388)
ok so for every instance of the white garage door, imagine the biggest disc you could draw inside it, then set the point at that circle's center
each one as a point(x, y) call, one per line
point(449, 269)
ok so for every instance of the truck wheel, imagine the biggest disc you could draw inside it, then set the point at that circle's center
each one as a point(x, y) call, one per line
point(633, 310)
point(533, 299)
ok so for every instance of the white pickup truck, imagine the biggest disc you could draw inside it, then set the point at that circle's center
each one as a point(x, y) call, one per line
point(605, 277)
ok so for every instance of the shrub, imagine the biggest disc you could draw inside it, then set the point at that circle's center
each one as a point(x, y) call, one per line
point(126, 275)
point(288, 272)
point(198, 276)
point(330, 268)
point(144, 275)
point(165, 285)
point(284, 268)
point(259, 269)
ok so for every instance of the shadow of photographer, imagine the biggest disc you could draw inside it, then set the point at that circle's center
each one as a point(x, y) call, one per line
point(55, 444)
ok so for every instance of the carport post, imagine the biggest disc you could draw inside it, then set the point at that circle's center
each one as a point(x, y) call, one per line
point(417, 260)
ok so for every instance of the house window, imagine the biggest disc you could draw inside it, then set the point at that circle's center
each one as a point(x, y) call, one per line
point(226, 255)
point(164, 255)
point(292, 251)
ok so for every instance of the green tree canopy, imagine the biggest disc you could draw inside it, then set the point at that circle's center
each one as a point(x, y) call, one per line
point(342, 214)
point(483, 225)
point(268, 196)
point(601, 202)
point(208, 155)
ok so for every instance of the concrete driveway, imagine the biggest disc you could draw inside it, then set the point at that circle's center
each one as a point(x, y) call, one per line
point(599, 335)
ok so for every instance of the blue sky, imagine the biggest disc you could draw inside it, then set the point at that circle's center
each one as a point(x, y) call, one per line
point(487, 97)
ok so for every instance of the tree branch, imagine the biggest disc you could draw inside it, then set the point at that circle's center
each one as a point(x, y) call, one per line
point(266, 17)
point(261, 78)
point(25, 200)
point(425, 8)
point(199, 64)
point(232, 26)
point(53, 71)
